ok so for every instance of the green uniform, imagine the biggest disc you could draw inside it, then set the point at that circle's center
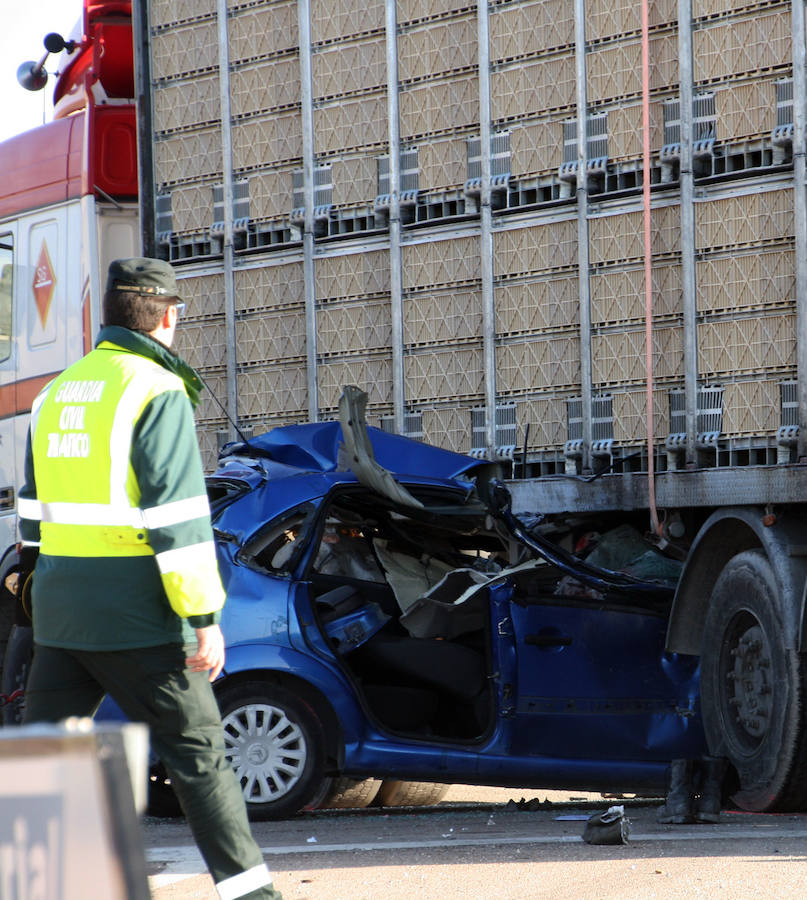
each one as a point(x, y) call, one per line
point(115, 497)
point(115, 500)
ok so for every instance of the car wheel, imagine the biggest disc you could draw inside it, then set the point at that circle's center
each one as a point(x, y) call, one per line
point(410, 793)
point(753, 688)
point(351, 793)
point(276, 745)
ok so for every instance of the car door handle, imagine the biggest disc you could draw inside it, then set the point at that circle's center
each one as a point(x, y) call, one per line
point(548, 640)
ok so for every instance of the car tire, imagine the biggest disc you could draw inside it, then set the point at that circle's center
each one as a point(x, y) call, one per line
point(162, 802)
point(410, 793)
point(753, 689)
point(351, 793)
point(276, 745)
point(19, 655)
point(7, 601)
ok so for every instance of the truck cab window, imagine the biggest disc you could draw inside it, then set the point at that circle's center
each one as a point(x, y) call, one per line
point(6, 294)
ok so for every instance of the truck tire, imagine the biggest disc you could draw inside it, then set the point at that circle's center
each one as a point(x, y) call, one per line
point(351, 793)
point(410, 793)
point(276, 745)
point(753, 689)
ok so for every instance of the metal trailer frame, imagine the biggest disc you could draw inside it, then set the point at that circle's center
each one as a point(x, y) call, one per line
point(688, 486)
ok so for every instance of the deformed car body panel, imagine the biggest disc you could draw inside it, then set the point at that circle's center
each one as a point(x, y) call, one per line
point(254, 657)
point(360, 452)
point(319, 447)
point(575, 691)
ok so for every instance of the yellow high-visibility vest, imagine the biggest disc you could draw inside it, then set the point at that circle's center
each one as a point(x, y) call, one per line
point(88, 498)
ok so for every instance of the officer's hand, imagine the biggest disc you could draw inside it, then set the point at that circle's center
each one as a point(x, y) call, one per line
point(209, 653)
point(12, 583)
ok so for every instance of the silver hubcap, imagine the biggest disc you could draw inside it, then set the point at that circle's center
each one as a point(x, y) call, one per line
point(266, 749)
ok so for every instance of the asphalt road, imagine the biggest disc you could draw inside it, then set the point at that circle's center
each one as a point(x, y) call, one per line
point(476, 844)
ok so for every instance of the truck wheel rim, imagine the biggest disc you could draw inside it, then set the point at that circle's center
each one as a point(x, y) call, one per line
point(266, 749)
point(748, 680)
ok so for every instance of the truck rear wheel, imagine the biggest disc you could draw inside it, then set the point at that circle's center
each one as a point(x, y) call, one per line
point(351, 793)
point(410, 793)
point(753, 689)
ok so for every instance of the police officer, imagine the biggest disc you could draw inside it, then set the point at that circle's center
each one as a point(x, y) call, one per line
point(126, 591)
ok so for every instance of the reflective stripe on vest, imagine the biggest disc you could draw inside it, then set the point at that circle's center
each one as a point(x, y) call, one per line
point(189, 571)
point(88, 497)
point(183, 558)
point(109, 514)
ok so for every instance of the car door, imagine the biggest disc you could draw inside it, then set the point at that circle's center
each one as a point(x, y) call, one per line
point(592, 680)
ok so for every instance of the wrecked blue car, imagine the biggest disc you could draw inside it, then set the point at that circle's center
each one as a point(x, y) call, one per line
point(389, 617)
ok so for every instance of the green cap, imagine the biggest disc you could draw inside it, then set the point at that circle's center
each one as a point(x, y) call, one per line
point(142, 275)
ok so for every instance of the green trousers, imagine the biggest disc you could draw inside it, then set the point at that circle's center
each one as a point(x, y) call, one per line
point(152, 685)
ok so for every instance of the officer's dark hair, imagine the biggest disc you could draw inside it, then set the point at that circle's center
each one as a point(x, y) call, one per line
point(135, 311)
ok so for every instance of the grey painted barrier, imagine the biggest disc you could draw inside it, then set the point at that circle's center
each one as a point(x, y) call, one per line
point(70, 795)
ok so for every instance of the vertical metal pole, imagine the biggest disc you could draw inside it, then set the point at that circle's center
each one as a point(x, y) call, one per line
point(306, 92)
point(800, 215)
point(647, 170)
point(486, 235)
point(395, 267)
point(582, 228)
point(230, 349)
point(689, 290)
point(145, 138)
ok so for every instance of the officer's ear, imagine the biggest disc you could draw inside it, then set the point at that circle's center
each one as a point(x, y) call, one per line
point(164, 332)
point(169, 319)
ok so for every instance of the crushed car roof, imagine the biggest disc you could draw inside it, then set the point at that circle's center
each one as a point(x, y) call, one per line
point(319, 447)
